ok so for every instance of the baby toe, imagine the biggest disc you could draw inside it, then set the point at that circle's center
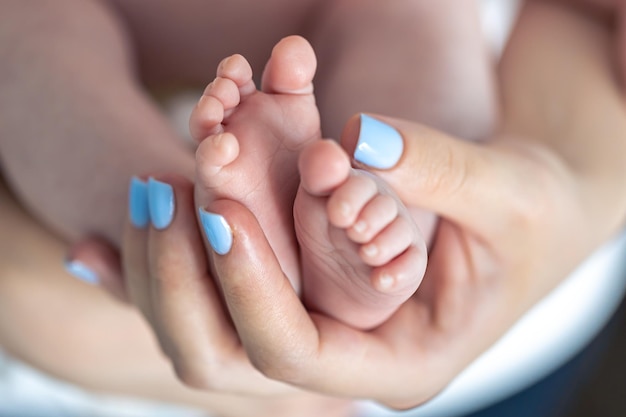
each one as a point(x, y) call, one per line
point(389, 243)
point(206, 118)
point(212, 155)
point(238, 69)
point(377, 214)
point(401, 276)
point(225, 90)
point(347, 201)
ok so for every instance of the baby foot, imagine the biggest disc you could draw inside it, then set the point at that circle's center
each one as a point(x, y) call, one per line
point(250, 140)
point(362, 253)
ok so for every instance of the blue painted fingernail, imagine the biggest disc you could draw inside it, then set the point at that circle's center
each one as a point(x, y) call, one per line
point(82, 272)
point(161, 203)
point(379, 146)
point(217, 231)
point(138, 203)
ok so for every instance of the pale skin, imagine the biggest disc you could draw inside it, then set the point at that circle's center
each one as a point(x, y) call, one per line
point(506, 206)
point(597, 181)
point(107, 348)
point(82, 65)
point(519, 194)
point(359, 254)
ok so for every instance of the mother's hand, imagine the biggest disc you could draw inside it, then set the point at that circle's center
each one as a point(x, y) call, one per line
point(504, 240)
point(516, 216)
point(162, 270)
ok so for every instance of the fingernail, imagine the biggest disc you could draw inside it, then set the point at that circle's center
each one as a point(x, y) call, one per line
point(379, 145)
point(217, 231)
point(161, 203)
point(138, 203)
point(82, 272)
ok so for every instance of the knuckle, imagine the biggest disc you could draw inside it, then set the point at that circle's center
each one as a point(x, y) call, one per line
point(285, 367)
point(417, 393)
point(200, 372)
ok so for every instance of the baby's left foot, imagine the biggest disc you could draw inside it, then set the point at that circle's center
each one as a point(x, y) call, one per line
point(362, 254)
point(250, 140)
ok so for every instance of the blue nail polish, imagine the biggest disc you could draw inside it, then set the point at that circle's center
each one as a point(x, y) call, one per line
point(379, 146)
point(138, 203)
point(161, 203)
point(217, 231)
point(82, 272)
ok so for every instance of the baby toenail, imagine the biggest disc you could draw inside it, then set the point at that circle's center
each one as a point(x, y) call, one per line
point(218, 140)
point(370, 250)
point(203, 99)
point(360, 226)
point(345, 209)
point(208, 89)
point(386, 282)
point(379, 145)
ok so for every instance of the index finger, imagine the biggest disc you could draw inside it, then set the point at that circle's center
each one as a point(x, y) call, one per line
point(285, 342)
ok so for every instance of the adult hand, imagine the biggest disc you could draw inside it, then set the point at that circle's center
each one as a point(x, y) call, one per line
point(517, 214)
point(505, 207)
point(504, 240)
point(166, 276)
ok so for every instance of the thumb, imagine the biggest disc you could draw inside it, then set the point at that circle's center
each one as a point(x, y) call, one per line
point(462, 181)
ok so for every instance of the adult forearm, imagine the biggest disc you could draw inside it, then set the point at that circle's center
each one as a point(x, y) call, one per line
point(560, 87)
point(74, 124)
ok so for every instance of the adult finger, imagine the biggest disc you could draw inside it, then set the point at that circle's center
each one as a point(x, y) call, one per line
point(287, 343)
point(485, 187)
point(254, 286)
point(189, 319)
point(134, 247)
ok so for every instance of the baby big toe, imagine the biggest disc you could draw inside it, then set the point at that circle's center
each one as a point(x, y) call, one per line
point(226, 91)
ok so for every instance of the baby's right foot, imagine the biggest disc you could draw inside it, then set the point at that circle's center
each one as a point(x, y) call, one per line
point(362, 254)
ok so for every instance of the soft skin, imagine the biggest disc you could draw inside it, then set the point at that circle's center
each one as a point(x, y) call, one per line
point(76, 119)
point(553, 179)
point(107, 348)
point(506, 207)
